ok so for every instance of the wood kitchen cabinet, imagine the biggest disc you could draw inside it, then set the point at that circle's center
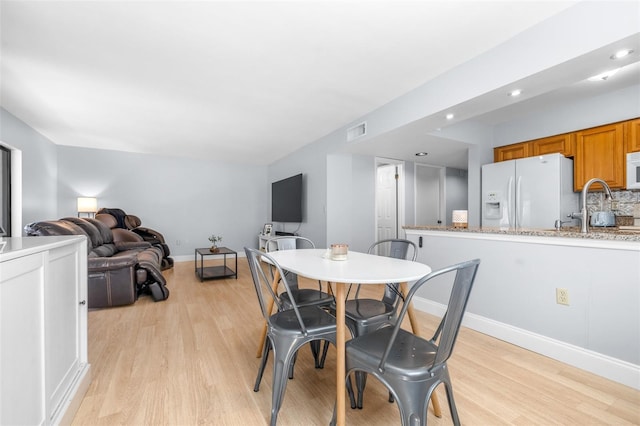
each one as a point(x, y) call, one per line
point(633, 135)
point(563, 144)
point(600, 153)
point(597, 152)
point(511, 152)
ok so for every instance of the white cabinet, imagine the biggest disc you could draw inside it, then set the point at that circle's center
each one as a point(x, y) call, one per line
point(262, 241)
point(22, 341)
point(44, 371)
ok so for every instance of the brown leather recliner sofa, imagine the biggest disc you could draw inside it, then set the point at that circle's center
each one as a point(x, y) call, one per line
point(119, 268)
point(116, 218)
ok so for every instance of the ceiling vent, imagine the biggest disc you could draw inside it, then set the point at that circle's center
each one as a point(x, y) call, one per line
point(357, 131)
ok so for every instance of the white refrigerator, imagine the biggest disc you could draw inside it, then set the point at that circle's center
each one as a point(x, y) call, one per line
point(528, 193)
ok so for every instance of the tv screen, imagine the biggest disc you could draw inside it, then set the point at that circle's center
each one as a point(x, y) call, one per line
point(286, 199)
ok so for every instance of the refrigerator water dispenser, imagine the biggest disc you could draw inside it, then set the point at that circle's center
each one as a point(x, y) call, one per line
point(493, 205)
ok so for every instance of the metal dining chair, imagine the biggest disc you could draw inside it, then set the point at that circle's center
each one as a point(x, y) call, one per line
point(409, 366)
point(363, 315)
point(302, 296)
point(287, 329)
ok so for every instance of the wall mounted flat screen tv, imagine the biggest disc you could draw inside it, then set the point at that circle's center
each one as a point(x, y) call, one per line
point(286, 199)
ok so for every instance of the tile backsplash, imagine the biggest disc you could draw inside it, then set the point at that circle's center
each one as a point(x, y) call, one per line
point(627, 200)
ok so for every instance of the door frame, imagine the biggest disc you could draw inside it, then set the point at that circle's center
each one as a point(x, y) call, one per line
point(16, 189)
point(400, 194)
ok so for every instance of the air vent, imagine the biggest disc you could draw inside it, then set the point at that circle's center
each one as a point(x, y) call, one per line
point(357, 131)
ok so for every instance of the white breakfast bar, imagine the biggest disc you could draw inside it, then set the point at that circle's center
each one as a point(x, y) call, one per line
point(514, 297)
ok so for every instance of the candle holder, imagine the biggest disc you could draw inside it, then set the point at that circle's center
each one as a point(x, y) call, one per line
point(339, 251)
point(459, 218)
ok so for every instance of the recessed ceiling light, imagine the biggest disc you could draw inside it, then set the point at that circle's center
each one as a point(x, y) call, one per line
point(421, 154)
point(621, 54)
point(449, 116)
point(603, 76)
point(514, 93)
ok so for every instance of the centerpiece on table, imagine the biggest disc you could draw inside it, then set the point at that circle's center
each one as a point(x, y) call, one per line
point(215, 239)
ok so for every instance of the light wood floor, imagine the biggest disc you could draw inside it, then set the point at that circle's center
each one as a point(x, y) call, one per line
point(191, 360)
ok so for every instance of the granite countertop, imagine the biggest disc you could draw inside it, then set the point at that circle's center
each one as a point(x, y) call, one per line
point(606, 234)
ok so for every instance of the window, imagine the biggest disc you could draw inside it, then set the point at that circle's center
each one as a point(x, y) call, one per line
point(5, 192)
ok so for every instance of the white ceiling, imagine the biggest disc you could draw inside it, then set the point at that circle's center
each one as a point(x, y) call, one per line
point(244, 82)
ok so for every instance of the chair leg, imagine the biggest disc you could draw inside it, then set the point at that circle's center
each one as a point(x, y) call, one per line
point(413, 401)
point(263, 362)
point(335, 414)
point(452, 403)
point(361, 382)
point(293, 363)
point(315, 351)
point(325, 349)
point(281, 366)
point(349, 386)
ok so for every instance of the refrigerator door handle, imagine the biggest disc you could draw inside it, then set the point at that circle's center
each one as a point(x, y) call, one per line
point(510, 204)
point(518, 202)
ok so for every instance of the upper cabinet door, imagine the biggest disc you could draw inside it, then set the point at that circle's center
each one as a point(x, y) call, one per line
point(600, 153)
point(511, 152)
point(562, 144)
point(633, 135)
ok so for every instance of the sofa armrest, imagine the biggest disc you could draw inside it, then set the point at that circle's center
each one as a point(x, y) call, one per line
point(100, 264)
point(149, 234)
point(131, 245)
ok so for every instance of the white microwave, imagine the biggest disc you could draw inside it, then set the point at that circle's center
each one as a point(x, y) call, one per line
point(633, 170)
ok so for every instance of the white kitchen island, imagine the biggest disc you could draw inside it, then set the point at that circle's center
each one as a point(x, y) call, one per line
point(44, 371)
point(514, 296)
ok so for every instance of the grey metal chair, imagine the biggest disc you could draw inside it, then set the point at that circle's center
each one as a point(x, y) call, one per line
point(287, 329)
point(302, 296)
point(363, 315)
point(409, 366)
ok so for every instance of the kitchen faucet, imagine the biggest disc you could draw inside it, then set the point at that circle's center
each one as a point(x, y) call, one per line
point(584, 214)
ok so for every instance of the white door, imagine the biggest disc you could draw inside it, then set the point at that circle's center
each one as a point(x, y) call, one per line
point(389, 200)
point(428, 195)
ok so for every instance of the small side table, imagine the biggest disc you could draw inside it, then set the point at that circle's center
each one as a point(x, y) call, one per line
point(213, 272)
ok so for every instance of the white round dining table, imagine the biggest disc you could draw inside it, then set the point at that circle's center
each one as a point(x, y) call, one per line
point(357, 268)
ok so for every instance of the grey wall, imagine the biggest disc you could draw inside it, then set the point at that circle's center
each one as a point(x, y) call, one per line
point(311, 161)
point(39, 168)
point(619, 105)
point(476, 77)
point(456, 189)
point(185, 199)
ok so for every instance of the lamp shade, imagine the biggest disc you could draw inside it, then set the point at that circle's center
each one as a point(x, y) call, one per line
point(87, 204)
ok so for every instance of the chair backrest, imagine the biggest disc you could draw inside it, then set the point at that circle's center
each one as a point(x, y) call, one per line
point(398, 249)
point(395, 247)
point(263, 284)
point(288, 242)
point(465, 274)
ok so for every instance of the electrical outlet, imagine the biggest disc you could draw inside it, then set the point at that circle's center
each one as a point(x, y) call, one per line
point(614, 205)
point(178, 242)
point(562, 296)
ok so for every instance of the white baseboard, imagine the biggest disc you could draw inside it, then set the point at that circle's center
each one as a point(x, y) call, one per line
point(608, 367)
